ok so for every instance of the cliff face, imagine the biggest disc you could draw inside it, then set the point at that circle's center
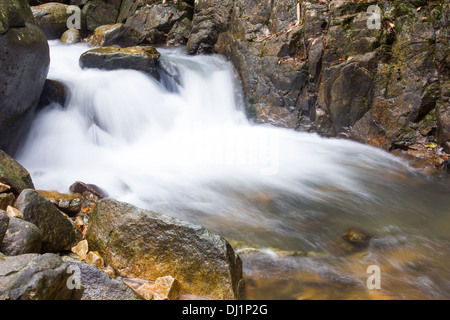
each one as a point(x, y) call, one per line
point(332, 74)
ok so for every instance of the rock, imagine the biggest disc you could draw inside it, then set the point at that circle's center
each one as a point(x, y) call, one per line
point(59, 232)
point(81, 249)
point(211, 18)
point(24, 62)
point(139, 58)
point(99, 13)
point(4, 222)
point(14, 213)
point(6, 199)
point(164, 288)
point(13, 174)
point(71, 36)
point(179, 34)
point(68, 203)
point(95, 260)
point(54, 92)
point(155, 21)
point(116, 34)
point(4, 187)
point(357, 238)
point(81, 187)
point(142, 244)
point(35, 277)
point(21, 237)
point(52, 18)
point(99, 286)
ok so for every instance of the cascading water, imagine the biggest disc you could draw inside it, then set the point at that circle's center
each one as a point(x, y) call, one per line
point(186, 149)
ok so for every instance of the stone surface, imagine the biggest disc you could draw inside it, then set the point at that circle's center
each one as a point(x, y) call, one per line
point(21, 237)
point(138, 58)
point(24, 62)
point(13, 174)
point(100, 13)
point(4, 222)
point(116, 34)
point(14, 213)
point(6, 199)
point(94, 259)
point(59, 232)
point(51, 18)
point(35, 277)
point(54, 92)
point(142, 244)
point(99, 286)
point(68, 203)
point(4, 187)
point(81, 249)
point(71, 36)
point(164, 288)
point(81, 187)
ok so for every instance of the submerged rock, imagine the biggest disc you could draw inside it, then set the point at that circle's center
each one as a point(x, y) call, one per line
point(54, 92)
point(59, 232)
point(142, 244)
point(116, 34)
point(140, 58)
point(35, 277)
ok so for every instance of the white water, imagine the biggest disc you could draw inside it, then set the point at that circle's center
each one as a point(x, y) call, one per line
point(192, 154)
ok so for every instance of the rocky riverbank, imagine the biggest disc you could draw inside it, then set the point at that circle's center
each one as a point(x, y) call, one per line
point(48, 239)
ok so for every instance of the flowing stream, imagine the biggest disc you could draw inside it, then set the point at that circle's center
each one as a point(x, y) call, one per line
point(183, 147)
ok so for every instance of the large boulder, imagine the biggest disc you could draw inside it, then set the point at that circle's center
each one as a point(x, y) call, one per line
point(100, 12)
point(24, 62)
point(21, 237)
point(36, 277)
point(148, 245)
point(52, 18)
point(140, 58)
point(116, 34)
point(59, 232)
point(99, 286)
point(13, 174)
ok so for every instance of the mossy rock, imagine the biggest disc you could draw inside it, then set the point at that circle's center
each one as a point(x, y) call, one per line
point(13, 174)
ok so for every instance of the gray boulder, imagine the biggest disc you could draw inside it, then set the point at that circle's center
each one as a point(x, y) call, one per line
point(35, 277)
point(13, 174)
point(59, 232)
point(4, 222)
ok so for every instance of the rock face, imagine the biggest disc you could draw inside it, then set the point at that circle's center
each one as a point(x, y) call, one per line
point(138, 58)
point(99, 286)
point(21, 237)
point(24, 62)
point(116, 34)
point(332, 74)
point(13, 174)
point(35, 277)
point(148, 245)
point(59, 232)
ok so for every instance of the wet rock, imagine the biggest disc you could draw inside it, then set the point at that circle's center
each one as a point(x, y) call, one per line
point(13, 174)
point(68, 203)
point(116, 34)
point(142, 244)
point(138, 58)
point(59, 232)
point(4, 222)
point(21, 237)
point(24, 62)
point(54, 92)
point(6, 199)
point(81, 187)
point(99, 286)
point(71, 36)
point(357, 238)
point(179, 34)
point(35, 277)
